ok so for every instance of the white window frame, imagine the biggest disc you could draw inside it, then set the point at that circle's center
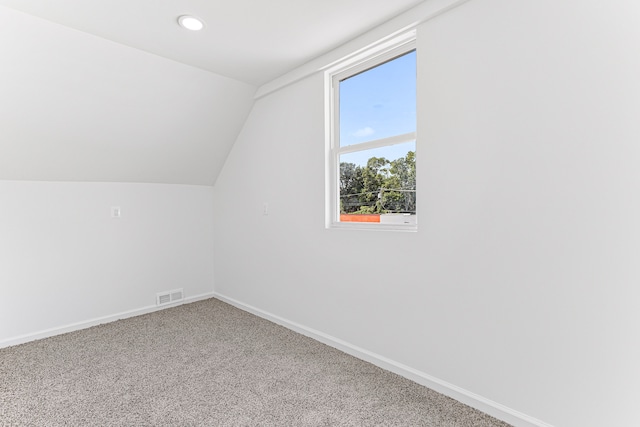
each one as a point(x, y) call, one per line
point(363, 60)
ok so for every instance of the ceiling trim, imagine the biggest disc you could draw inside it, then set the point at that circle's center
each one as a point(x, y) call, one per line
point(402, 23)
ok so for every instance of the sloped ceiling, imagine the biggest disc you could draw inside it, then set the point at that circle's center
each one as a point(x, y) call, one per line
point(75, 107)
point(113, 90)
point(253, 41)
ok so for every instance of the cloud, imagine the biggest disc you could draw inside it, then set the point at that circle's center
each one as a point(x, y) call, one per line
point(361, 133)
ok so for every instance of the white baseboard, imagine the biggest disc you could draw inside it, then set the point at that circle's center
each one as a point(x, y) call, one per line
point(97, 321)
point(487, 406)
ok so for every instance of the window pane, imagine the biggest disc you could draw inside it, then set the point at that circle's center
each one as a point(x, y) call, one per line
point(379, 185)
point(380, 102)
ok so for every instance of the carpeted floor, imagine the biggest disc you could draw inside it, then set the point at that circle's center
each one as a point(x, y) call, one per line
point(208, 364)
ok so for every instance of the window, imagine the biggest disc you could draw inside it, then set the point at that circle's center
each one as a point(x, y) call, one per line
point(371, 161)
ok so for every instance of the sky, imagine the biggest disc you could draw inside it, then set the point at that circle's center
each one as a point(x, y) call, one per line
point(379, 103)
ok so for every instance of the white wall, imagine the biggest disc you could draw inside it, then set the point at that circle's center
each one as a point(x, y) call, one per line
point(521, 285)
point(64, 260)
point(76, 107)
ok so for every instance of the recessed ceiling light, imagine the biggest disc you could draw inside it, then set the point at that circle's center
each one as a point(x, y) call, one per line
point(190, 23)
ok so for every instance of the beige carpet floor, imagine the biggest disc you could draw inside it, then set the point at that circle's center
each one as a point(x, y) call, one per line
point(209, 364)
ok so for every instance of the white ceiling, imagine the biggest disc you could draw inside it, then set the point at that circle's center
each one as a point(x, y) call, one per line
point(75, 107)
point(253, 41)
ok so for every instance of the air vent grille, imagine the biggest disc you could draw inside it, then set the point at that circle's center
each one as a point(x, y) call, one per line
point(169, 297)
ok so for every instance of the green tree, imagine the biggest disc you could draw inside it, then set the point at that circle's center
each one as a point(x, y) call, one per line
point(374, 175)
point(399, 192)
point(380, 186)
point(351, 187)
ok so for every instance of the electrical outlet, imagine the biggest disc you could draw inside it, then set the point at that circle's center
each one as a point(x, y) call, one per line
point(116, 212)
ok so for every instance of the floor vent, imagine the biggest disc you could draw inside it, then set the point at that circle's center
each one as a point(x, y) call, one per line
point(168, 297)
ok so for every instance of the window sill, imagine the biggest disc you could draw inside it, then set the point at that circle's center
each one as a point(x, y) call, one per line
point(372, 227)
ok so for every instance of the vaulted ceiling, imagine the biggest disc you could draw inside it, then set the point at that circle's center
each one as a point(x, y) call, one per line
point(115, 90)
point(252, 41)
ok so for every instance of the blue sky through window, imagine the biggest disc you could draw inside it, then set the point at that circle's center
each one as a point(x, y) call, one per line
point(379, 103)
